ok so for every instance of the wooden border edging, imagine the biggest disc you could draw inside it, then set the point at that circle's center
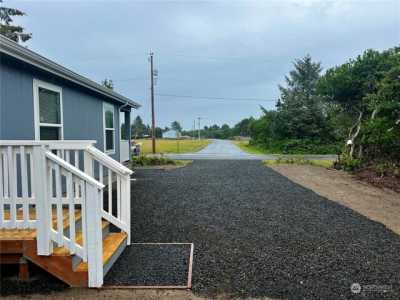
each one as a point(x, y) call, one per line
point(168, 287)
point(189, 284)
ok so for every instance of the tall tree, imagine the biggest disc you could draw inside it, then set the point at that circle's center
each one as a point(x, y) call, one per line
point(356, 87)
point(138, 128)
point(175, 125)
point(301, 113)
point(7, 28)
point(243, 127)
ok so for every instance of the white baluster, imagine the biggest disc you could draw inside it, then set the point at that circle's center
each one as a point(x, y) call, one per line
point(13, 186)
point(110, 192)
point(67, 156)
point(76, 160)
point(24, 183)
point(101, 179)
point(84, 199)
point(6, 174)
point(71, 207)
point(59, 207)
point(118, 196)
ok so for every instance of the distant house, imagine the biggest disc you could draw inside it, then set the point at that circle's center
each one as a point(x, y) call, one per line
point(171, 134)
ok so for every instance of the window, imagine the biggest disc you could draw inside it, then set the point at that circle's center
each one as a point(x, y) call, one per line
point(124, 135)
point(109, 128)
point(48, 111)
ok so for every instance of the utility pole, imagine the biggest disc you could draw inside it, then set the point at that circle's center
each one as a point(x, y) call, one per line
point(199, 118)
point(153, 121)
point(194, 129)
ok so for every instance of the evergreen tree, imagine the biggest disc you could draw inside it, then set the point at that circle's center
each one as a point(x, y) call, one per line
point(138, 128)
point(108, 83)
point(176, 126)
point(14, 32)
point(301, 113)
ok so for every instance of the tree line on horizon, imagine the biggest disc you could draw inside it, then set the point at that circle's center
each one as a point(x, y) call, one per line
point(352, 109)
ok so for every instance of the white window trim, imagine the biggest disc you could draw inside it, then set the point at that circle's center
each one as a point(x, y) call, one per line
point(105, 104)
point(36, 110)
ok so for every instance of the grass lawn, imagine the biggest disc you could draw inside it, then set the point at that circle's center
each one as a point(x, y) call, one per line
point(173, 146)
point(244, 145)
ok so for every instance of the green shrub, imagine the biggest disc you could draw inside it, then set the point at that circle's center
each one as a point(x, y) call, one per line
point(347, 163)
point(297, 146)
point(144, 160)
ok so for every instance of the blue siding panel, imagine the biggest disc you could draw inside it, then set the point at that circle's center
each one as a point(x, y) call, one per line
point(16, 105)
point(82, 111)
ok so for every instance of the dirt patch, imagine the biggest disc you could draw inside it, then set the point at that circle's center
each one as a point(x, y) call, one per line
point(117, 294)
point(387, 180)
point(378, 204)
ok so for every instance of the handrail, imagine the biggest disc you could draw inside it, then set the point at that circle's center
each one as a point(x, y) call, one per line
point(74, 170)
point(109, 162)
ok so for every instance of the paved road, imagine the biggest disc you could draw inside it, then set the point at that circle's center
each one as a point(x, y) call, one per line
point(225, 149)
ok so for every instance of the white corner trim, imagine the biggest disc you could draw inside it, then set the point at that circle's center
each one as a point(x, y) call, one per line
point(36, 111)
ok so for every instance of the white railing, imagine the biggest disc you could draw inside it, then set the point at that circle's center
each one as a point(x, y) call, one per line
point(115, 176)
point(41, 182)
point(17, 198)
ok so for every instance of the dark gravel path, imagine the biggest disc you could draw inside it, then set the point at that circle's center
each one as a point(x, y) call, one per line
point(151, 265)
point(256, 233)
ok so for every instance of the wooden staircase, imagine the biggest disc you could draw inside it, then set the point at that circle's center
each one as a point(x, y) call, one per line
point(19, 245)
point(58, 200)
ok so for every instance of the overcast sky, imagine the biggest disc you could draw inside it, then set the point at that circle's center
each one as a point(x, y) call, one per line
point(226, 49)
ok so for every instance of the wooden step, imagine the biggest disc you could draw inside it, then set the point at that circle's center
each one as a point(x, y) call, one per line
point(110, 246)
point(79, 240)
point(62, 266)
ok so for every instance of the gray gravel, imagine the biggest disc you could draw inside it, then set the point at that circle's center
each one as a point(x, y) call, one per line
point(256, 233)
point(151, 265)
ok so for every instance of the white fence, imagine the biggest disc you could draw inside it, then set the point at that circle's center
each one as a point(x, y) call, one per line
point(42, 182)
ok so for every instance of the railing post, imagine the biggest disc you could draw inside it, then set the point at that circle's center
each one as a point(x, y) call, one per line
point(94, 238)
point(126, 204)
point(41, 182)
point(88, 163)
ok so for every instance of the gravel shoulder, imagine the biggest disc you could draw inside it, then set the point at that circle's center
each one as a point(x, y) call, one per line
point(381, 205)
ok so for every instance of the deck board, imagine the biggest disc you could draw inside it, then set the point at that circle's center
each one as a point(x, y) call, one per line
point(14, 234)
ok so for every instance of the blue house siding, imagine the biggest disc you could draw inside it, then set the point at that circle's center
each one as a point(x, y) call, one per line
point(82, 111)
point(16, 102)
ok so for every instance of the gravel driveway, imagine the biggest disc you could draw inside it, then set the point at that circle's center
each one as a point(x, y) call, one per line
point(256, 233)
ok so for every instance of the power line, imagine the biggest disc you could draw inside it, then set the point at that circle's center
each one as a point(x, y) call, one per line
point(216, 98)
point(129, 79)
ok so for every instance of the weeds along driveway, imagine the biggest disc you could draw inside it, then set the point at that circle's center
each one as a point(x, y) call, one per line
point(256, 233)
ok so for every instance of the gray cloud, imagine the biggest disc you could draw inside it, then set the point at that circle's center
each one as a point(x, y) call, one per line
point(221, 48)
